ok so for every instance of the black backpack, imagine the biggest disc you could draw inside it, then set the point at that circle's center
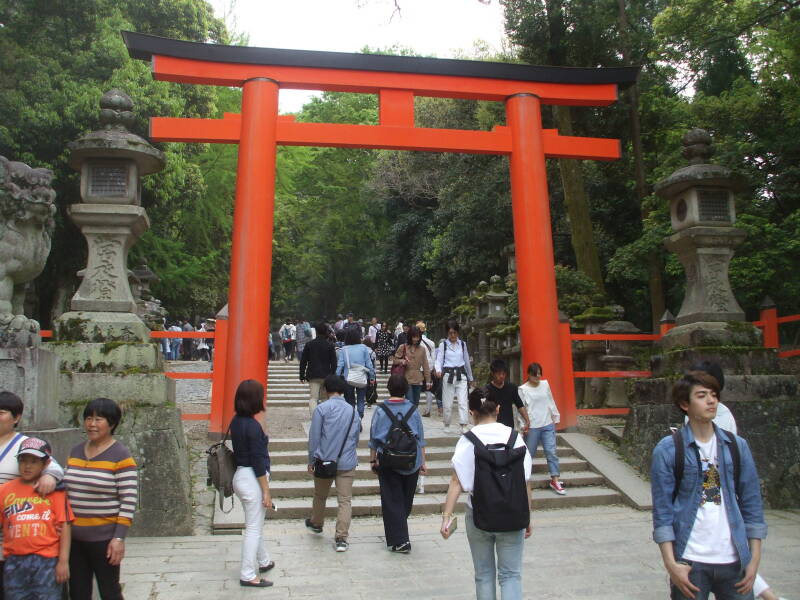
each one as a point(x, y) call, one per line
point(680, 458)
point(400, 448)
point(500, 492)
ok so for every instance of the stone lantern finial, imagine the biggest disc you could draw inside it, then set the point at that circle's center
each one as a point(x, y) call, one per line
point(697, 148)
point(116, 110)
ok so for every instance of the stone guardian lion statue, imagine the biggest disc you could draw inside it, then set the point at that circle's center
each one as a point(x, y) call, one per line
point(26, 228)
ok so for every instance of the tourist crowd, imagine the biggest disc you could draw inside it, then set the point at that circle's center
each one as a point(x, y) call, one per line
point(67, 526)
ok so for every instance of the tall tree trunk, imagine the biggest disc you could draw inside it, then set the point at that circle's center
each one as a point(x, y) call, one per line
point(577, 202)
point(656, 264)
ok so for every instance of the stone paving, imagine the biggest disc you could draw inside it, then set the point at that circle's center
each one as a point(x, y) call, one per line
point(593, 553)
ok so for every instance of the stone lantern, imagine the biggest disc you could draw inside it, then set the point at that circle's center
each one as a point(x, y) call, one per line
point(703, 214)
point(618, 358)
point(496, 299)
point(112, 161)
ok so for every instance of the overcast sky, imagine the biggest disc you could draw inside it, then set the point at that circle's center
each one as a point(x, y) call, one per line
point(443, 28)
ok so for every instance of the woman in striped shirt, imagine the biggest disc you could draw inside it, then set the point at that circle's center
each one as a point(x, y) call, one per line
point(101, 483)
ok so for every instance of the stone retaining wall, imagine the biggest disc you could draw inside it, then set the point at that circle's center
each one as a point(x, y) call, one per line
point(771, 427)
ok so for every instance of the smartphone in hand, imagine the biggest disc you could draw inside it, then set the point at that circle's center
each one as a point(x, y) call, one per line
point(452, 525)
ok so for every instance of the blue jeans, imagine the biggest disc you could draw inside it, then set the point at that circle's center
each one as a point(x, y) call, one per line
point(716, 579)
point(413, 393)
point(31, 576)
point(547, 435)
point(509, 546)
point(357, 396)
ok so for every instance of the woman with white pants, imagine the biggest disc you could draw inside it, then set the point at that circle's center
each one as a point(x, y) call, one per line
point(453, 368)
point(251, 480)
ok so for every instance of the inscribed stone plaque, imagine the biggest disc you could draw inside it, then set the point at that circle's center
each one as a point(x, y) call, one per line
point(108, 181)
point(713, 205)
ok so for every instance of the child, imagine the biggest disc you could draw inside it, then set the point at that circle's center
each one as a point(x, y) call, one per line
point(36, 555)
point(543, 414)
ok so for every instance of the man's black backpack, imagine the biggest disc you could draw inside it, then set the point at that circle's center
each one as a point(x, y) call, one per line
point(400, 448)
point(680, 458)
point(500, 492)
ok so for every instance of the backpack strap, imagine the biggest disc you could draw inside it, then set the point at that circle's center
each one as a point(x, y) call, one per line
point(402, 422)
point(404, 419)
point(10, 445)
point(737, 460)
point(680, 456)
point(512, 439)
point(389, 413)
point(475, 441)
point(347, 433)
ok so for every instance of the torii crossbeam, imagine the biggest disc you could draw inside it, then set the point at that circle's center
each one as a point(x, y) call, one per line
point(262, 72)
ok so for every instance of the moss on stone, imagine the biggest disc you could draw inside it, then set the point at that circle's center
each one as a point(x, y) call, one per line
point(109, 346)
point(596, 313)
point(71, 329)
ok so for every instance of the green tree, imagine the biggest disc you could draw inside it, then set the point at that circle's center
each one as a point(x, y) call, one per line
point(59, 57)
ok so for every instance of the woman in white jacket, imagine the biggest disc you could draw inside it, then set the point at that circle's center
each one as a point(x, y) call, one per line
point(544, 415)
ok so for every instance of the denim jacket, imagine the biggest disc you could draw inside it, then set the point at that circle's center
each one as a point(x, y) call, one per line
point(673, 521)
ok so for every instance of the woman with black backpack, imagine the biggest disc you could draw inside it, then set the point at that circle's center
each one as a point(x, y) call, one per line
point(397, 457)
point(498, 514)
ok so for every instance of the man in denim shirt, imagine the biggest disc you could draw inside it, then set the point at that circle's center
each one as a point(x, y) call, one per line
point(334, 427)
point(709, 534)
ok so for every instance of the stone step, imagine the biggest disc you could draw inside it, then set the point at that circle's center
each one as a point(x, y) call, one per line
point(299, 456)
point(434, 484)
point(436, 467)
point(300, 508)
point(434, 439)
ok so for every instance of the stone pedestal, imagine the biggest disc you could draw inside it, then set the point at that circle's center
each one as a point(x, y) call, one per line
point(110, 230)
point(617, 394)
point(32, 374)
point(705, 253)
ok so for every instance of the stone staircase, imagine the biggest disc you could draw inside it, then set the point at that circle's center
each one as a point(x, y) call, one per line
point(292, 486)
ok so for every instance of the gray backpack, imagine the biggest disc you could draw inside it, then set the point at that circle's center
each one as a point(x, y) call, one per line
point(221, 467)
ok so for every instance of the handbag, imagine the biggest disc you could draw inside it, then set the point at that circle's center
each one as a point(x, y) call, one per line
point(326, 469)
point(399, 368)
point(356, 374)
point(221, 466)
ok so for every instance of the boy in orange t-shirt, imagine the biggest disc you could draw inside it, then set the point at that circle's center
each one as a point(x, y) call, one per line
point(36, 529)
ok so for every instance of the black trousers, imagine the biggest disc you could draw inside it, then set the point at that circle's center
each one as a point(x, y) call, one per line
point(397, 499)
point(384, 362)
point(88, 560)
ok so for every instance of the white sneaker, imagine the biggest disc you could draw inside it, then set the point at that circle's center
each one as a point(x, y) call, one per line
point(446, 429)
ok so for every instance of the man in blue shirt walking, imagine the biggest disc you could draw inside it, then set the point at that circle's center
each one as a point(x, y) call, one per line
point(708, 521)
point(334, 437)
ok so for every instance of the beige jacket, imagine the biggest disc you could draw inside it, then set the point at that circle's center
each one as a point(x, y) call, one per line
point(417, 369)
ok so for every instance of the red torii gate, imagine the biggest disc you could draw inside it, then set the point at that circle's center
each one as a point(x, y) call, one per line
point(262, 72)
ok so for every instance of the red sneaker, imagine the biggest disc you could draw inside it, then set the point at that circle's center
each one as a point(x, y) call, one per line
point(556, 486)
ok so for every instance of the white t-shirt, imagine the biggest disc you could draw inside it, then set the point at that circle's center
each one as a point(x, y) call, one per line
point(539, 403)
point(710, 539)
point(464, 455)
point(724, 419)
